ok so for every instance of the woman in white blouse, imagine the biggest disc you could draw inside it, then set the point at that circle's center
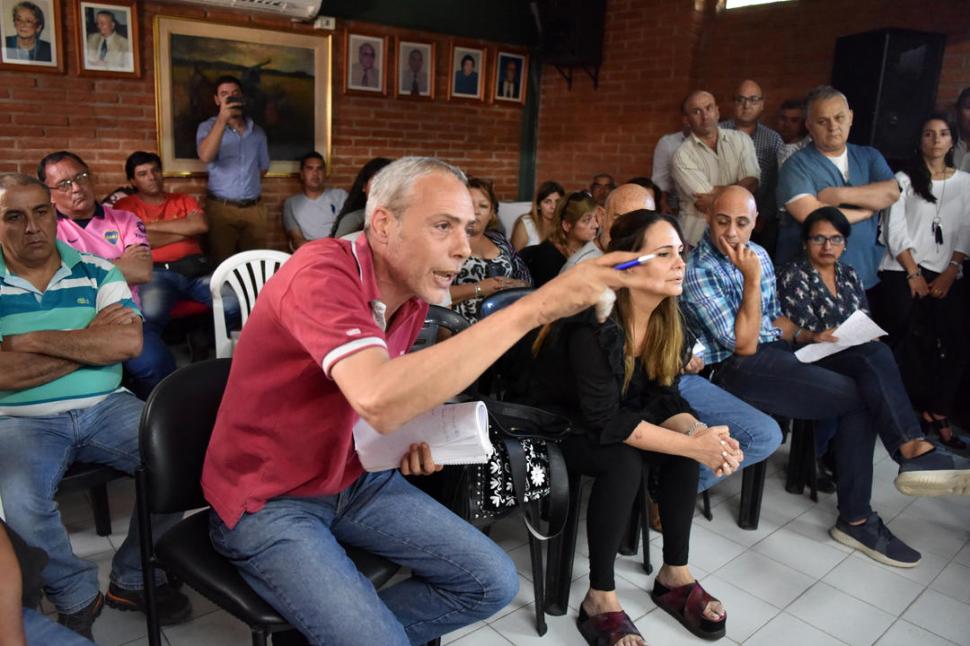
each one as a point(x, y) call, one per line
point(534, 227)
point(927, 240)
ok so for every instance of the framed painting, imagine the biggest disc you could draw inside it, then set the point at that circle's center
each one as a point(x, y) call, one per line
point(365, 63)
point(414, 70)
point(31, 32)
point(509, 78)
point(107, 38)
point(466, 79)
point(285, 78)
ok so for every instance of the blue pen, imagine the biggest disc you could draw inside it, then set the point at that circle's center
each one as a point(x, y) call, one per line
point(637, 261)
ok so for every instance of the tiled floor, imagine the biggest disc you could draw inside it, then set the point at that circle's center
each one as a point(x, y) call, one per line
point(785, 583)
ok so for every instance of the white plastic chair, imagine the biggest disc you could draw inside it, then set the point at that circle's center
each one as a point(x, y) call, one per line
point(246, 273)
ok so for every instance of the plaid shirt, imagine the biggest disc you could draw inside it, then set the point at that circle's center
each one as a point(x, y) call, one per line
point(713, 289)
point(766, 145)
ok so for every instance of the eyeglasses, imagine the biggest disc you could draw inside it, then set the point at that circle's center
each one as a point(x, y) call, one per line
point(25, 21)
point(748, 99)
point(835, 241)
point(66, 185)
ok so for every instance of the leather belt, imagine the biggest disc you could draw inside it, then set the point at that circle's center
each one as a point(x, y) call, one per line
point(239, 204)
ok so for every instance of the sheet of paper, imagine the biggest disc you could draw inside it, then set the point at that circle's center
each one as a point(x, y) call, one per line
point(855, 330)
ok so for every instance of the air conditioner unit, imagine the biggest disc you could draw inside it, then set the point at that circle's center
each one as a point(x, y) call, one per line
point(297, 9)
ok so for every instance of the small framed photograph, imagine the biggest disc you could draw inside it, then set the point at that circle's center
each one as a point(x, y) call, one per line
point(415, 70)
point(31, 32)
point(366, 62)
point(467, 74)
point(510, 76)
point(108, 43)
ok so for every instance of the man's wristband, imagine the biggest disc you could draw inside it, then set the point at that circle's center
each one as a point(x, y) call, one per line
point(915, 274)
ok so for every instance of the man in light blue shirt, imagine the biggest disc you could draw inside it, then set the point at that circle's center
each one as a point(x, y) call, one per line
point(236, 154)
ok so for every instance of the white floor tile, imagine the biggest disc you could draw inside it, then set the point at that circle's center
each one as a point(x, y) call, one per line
point(635, 601)
point(116, 627)
point(765, 578)
point(726, 524)
point(827, 609)
point(484, 636)
point(519, 628)
point(524, 597)
point(214, 629)
point(963, 556)
point(660, 628)
point(929, 567)
point(746, 612)
point(799, 552)
point(903, 633)
point(954, 581)
point(709, 550)
point(862, 578)
point(941, 615)
point(458, 634)
point(786, 629)
point(928, 535)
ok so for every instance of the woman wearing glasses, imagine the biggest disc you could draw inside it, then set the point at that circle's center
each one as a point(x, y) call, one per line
point(927, 241)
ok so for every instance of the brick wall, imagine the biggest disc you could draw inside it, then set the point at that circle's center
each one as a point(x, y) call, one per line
point(656, 50)
point(104, 120)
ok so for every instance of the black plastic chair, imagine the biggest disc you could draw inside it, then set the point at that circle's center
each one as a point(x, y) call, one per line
point(438, 318)
point(498, 300)
point(93, 478)
point(175, 429)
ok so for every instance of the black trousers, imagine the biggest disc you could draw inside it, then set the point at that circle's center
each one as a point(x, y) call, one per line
point(617, 469)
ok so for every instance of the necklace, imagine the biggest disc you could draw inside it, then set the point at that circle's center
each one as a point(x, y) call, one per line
point(935, 227)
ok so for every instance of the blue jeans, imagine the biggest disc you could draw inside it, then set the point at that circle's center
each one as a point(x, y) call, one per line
point(289, 553)
point(773, 380)
point(34, 454)
point(153, 364)
point(41, 631)
point(166, 288)
point(757, 433)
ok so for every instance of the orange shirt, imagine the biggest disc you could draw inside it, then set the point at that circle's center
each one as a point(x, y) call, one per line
point(175, 207)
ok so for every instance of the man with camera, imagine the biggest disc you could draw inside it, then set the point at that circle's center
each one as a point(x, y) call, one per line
point(236, 154)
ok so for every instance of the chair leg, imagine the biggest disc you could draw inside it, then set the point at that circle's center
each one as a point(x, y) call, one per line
point(538, 579)
point(102, 513)
point(796, 476)
point(259, 638)
point(632, 537)
point(147, 550)
point(706, 510)
point(560, 551)
point(752, 489)
point(645, 519)
point(434, 642)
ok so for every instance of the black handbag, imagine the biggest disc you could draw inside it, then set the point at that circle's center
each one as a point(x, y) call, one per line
point(526, 471)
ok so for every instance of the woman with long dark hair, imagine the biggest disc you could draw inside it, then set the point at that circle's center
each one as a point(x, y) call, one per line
point(617, 380)
point(927, 240)
point(537, 225)
point(351, 216)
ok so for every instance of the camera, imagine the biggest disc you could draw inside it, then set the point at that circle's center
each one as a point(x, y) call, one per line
point(236, 101)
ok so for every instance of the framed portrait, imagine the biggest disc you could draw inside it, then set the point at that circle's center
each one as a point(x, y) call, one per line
point(414, 70)
point(31, 32)
point(285, 78)
point(365, 61)
point(509, 79)
point(466, 78)
point(108, 42)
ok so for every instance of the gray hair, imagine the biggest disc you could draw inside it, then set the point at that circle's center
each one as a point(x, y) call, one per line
point(13, 180)
point(392, 186)
point(822, 93)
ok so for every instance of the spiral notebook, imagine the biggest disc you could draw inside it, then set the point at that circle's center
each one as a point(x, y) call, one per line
point(456, 434)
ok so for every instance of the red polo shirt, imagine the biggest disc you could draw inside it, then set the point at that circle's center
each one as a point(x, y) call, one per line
point(284, 427)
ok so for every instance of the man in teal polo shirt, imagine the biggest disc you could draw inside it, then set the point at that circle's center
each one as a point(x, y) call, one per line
point(66, 322)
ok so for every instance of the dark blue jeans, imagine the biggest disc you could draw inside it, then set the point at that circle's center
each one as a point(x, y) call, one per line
point(773, 380)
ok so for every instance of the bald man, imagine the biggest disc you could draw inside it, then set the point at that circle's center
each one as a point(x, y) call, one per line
point(622, 199)
point(708, 160)
point(749, 103)
point(730, 302)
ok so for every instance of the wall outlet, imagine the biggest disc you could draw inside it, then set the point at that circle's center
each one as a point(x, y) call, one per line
point(325, 22)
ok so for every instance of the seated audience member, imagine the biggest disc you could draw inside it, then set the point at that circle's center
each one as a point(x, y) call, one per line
point(116, 235)
point(173, 222)
point(832, 172)
point(311, 214)
point(709, 159)
point(791, 127)
point(576, 219)
point(115, 196)
point(20, 570)
point(757, 433)
point(622, 199)
point(67, 322)
point(652, 189)
point(350, 219)
point(731, 303)
point(927, 241)
point(534, 227)
point(663, 156)
point(493, 264)
point(961, 160)
point(328, 337)
point(618, 382)
point(600, 187)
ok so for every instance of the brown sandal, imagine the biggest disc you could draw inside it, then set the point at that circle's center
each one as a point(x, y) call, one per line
point(686, 604)
point(606, 628)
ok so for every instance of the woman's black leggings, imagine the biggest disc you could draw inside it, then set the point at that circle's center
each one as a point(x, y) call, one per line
point(617, 470)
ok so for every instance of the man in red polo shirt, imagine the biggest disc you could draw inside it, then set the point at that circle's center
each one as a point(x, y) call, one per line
point(324, 347)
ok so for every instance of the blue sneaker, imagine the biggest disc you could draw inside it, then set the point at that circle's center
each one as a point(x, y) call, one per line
point(936, 473)
point(874, 539)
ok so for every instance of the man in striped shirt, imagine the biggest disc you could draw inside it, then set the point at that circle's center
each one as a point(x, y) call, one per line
point(67, 321)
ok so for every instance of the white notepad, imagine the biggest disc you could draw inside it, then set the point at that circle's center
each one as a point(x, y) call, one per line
point(456, 434)
point(855, 330)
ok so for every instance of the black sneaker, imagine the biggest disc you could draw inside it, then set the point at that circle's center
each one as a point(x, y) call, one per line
point(874, 539)
point(173, 606)
point(82, 621)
